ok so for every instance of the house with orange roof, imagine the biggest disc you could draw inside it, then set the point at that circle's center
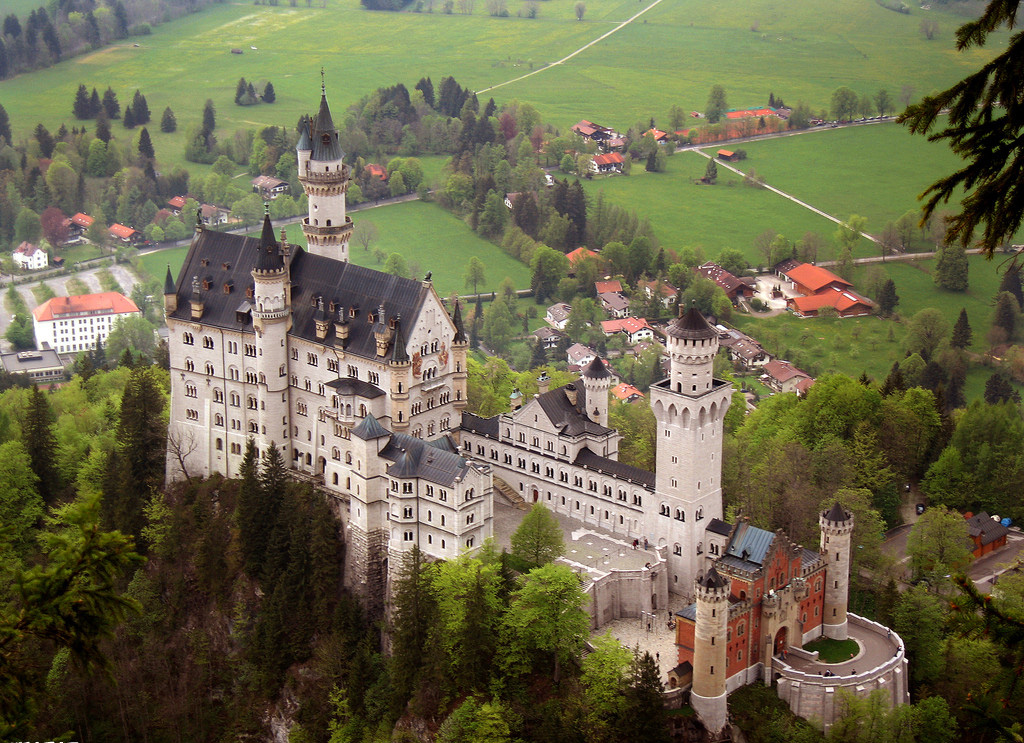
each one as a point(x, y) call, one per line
point(782, 376)
point(635, 328)
point(659, 136)
point(809, 279)
point(579, 254)
point(79, 224)
point(607, 163)
point(627, 393)
point(176, 204)
point(125, 234)
point(73, 324)
point(665, 290)
point(373, 170)
point(846, 302)
point(600, 287)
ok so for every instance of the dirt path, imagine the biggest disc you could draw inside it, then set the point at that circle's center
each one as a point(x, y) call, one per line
point(569, 56)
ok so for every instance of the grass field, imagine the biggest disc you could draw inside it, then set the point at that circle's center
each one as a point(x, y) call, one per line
point(691, 45)
point(420, 232)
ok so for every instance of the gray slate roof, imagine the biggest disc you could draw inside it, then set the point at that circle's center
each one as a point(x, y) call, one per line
point(592, 461)
point(415, 457)
point(483, 426)
point(571, 419)
point(357, 387)
point(717, 526)
point(312, 276)
point(750, 544)
point(370, 428)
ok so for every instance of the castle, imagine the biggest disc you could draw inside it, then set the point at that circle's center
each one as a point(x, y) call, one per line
point(359, 378)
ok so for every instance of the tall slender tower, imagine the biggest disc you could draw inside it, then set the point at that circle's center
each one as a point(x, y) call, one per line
point(689, 406)
point(708, 696)
point(836, 534)
point(460, 346)
point(597, 381)
point(271, 319)
point(324, 178)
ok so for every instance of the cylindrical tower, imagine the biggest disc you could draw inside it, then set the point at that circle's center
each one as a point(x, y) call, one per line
point(401, 378)
point(271, 319)
point(836, 533)
point(460, 345)
point(692, 345)
point(708, 695)
point(324, 178)
point(597, 381)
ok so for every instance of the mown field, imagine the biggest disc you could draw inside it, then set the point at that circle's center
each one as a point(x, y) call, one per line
point(671, 55)
point(420, 232)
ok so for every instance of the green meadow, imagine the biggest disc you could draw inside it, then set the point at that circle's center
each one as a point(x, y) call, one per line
point(422, 233)
point(671, 55)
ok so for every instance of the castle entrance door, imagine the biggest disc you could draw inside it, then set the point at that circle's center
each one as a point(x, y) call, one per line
point(536, 495)
point(780, 641)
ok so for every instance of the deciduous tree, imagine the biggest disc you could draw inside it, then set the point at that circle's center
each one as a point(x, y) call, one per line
point(538, 539)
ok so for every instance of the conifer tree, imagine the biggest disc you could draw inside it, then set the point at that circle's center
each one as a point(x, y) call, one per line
point(209, 118)
point(167, 122)
point(41, 444)
point(894, 382)
point(961, 331)
point(129, 118)
point(5, 65)
point(1011, 283)
point(644, 718)
point(249, 513)
point(146, 145)
point(240, 90)
point(999, 389)
point(539, 356)
point(111, 105)
point(269, 96)
point(45, 140)
point(414, 613)
point(887, 298)
point(140, 108)
point(94, 104)
point(1007, 310)
point(5, 126)
point(81, 107)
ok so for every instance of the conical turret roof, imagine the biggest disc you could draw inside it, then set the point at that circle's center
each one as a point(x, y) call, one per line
point(460, 332)
point(305, 143)
point(269, 257)
point(691, 326)
point(369, 429)
point(712, 579)
point(326, 146)
point(596, 369)
point(836, 513)
point(169, 282)
point(399, 353)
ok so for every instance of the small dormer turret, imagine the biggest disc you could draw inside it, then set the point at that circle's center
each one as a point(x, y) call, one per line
point(341, 329)
point(170, 293)
point(323, 327)
point(383, 332)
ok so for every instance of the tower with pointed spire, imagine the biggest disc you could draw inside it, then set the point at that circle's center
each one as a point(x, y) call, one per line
point(324, 178)
point(689, 406)
point(708, 694)
point(597, 381)
point(836, 535)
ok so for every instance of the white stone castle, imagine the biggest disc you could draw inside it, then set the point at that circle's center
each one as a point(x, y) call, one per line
point(359, 378)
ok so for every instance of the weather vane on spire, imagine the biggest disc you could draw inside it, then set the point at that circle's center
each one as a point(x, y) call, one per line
point(323, 85)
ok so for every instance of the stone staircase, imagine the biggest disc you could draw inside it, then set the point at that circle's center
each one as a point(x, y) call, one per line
point(510, 494)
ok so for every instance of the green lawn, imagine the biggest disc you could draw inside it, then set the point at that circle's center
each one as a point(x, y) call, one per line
point(77, 253)
point(833, 651)
point(672, 55)
point(420, 232)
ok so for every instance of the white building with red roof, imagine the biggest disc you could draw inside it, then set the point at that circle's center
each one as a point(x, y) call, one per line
point(609, 163)
point(80, 223)
point(124, 233)
point(782, 376)
point(73, 324)
point(635, 328)
point(30, 257)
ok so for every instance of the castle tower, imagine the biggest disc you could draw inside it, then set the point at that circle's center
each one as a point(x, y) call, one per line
point(170, 293)
point(708, 695)
point(324, 178)
point(689, 406)
point(836, 533)
point(597, 381)
point(271, 319)
point(401, 379)
point(460, 345)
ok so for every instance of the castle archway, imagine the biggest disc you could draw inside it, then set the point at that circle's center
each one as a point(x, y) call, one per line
point(781, 642)
point(536, 495)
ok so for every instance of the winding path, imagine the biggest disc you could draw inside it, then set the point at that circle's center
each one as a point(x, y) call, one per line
point(569, 56)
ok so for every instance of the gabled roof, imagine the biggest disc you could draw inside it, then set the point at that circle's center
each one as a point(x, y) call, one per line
point(614, 301)
point(176, 202)
point(814, 278)
point(559, 311)
point(567, 418)
point(121, 231)
point(82, 220)
point(727, 281)
point(984, 528)
point(577, 352)
point(580, 253)
point(27, 248)
point(104, 303)
point(602, 287)
point(628, 325)
point(783, 371)
point(612, 158)
point(267, 181)
point(230, 257)
point(667, 290)
point(691, 326)
point(750, 544)
point(842, 299)
point(624, 391)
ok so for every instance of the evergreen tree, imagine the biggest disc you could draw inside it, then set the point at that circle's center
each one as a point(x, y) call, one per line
point(644, 719)
point(998, 389)
point(95, 106)
point(1007, 310)
point(111, 104)
point(45, 140)
point(146, 145)
point(951, 268)
point(120, 20)
point(961, 331)
point(129, 118)
point(887, 298)
point(269, 96)
point(1011, 283)
point(539, 357)
point(209, 118)
point(240, 90)
point(273, 531)
point(427, 88)
point(103, 131)
point(249, 514)
point(711, 172)
point(81, 107)
point(414, 614)
point(955, 397)
point(51, 41)
point(12, 26)
point(41, 444)
point(140, 108)
point(5, 64)
point(894, 383)
point(167, 122)
point(5, 126)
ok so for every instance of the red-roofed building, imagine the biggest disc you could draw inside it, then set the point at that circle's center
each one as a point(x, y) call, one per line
point(782, 376)
point(627, 393)
point(80, 223)
point(600, 287)
point(635, 328)
point(373, 170)
point(593, 132)
point(728, 155)
point(751, 113)
point(734, 288)
point(73, 324)
point(125, 234)
point(659, 136)
point(609, 163)
point(808, 279)
point(30, 257)
point(662, 288)
point(579, 254)
point(847, 303)
point(176, 204)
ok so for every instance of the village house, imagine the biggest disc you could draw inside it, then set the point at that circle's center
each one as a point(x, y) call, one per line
point(579, 355)
point(809, 279)
point(269, 187)
point(742, 349)
point(213, 215)
point(627, 393)
point(986, 533)
point(726, 156)
point(615, 304)
point(79, 224)
point(782, 376)
point(373, 170)
point(594, 132)
point(547, 337)
point(607, 163)
point(847, 303)
point(665, 290)
point(735, 288)
point(176, 204)
point(636, 329)
point(659, 136)
point(600, 287)
point(29, 257)
point(73, 324)
point(557, 315)
point(579, 254)
point(125, 234)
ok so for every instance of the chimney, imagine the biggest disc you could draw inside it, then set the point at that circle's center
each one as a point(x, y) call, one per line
point(570, 393)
